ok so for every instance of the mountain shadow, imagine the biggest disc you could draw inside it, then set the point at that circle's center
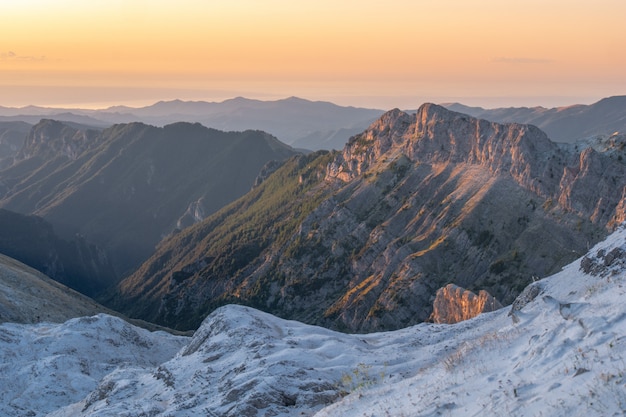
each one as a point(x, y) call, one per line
point(74, 263)
point(126, 187)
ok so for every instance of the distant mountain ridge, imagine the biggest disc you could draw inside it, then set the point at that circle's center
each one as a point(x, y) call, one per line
point(126, 187)
point(362, 239)
point(300, 123)
point(562, 124)
point(316, 125)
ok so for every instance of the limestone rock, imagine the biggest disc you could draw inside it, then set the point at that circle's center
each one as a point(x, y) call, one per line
point(454, 304)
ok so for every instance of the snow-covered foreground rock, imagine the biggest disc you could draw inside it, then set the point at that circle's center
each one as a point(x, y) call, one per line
point(560, 351)
point(46, 366)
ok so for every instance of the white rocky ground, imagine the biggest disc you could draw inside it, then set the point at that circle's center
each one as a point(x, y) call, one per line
point(561, 352)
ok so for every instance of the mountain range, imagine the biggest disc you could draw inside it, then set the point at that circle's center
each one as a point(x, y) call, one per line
point(12, 137)
point(296, 122)
point(562, 124)
point(558, 350)
point(317, 125)
point(126, 187)
point(362, 239)
point(422, 218)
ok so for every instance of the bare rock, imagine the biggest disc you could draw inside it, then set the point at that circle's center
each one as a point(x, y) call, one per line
point(454, 304)
point(529, 294)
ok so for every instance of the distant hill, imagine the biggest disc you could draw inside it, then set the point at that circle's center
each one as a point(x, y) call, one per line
point(361, 240)
point(319, 125)
point(562, 124)
point(128, 186)
point(301, 123)
point(12, 136)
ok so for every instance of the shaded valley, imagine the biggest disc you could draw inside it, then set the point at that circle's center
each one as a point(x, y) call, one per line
point(126, 187)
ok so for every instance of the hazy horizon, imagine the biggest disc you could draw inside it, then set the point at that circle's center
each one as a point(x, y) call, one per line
point(381, 103)
point(488, 53)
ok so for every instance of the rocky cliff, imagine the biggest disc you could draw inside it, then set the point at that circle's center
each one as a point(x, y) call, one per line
point(362, 239)
point(12, 136)
point(454, 304)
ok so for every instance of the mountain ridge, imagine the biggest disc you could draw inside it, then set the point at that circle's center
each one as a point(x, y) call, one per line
point(409, 205)
point(562, 124)
point(126, 187)
point(298, 122)
point(319, 125)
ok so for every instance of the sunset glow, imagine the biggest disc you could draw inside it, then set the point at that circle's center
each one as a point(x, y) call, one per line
point(364, 53)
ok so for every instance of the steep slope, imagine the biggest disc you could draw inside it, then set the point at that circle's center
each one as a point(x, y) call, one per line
point(558, 351)
point(224, 245)
point(47, 366)
point(361, 240)
point(12, 136)
point(73, 262)
point(28, 296)
point(562, 124)
point(126, 187)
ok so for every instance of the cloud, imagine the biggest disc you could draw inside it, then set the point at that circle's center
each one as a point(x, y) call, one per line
point(520, 60)
point(12, 56)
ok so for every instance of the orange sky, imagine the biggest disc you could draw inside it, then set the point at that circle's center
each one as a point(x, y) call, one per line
point(392, 53)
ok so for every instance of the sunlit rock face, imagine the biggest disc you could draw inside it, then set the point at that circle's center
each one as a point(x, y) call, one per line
point(361, 240)
point(454, 304)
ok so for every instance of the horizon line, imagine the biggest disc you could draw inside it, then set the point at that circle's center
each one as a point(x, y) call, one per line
point(470, 101)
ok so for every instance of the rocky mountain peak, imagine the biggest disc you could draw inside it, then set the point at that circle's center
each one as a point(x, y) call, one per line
point(437, 135)
point(51, 138)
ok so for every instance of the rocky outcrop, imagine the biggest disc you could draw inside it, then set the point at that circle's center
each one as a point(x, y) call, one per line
point(50, 139)
point(578, 180)
point(454, 304)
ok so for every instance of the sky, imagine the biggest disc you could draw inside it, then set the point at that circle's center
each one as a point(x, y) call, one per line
point(366, 53)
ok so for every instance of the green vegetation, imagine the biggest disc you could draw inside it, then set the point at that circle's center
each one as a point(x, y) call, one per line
point(234, 239)
point(270, 213)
